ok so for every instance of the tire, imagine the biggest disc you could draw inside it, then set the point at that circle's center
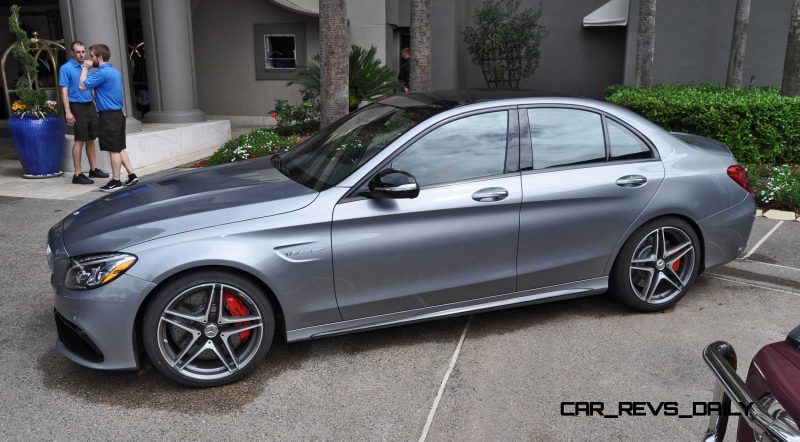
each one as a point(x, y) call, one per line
point(644, 260)
point(194, 342)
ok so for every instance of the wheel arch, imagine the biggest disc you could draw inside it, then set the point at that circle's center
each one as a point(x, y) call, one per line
point(692, 223)
point(138, 344)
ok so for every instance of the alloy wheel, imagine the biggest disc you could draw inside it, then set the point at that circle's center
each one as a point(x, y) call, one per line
point(210, 331)
point(662, 265)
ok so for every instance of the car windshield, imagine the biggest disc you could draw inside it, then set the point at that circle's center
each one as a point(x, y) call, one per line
point(332, 155)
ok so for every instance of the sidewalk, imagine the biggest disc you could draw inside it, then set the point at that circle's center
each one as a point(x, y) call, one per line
point(61, 188)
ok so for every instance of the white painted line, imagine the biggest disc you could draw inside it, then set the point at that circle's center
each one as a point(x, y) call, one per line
point(771, 264)
point(444, 383)
point(758, 244)
point(754, 285)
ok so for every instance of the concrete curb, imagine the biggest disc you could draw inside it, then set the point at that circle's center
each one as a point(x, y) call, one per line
point(780, 215)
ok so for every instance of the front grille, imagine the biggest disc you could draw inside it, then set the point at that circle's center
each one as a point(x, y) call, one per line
point(76, 340)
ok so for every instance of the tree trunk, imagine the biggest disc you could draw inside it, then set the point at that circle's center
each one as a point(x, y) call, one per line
point(646, 47)
point(420, 45)
point(791, 66)
point(334, 60)
point(738, 44)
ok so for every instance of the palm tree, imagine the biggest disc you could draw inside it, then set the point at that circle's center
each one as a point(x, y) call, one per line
point(791, 66)
point(646, 47)
point(420, 45)
point(738, 43)
point(334, 60)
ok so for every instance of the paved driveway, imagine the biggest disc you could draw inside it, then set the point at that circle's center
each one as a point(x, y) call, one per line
point(506, 372)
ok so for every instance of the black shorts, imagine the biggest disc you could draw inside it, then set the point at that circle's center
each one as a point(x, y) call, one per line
point(85, 114)
point(112, 131)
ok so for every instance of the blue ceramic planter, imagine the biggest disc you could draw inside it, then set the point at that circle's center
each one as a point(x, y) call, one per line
point(39, 143)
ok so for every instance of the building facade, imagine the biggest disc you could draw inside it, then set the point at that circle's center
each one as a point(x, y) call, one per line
point(191, 60)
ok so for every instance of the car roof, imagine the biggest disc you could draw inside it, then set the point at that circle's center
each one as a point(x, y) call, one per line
point(448, 99)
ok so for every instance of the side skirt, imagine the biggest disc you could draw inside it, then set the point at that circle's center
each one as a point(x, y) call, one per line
point(572, 290)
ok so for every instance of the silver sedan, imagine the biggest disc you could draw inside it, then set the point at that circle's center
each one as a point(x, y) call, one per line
point(413, 208)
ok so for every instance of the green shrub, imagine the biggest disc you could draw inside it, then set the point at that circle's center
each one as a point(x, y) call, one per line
point(259, 143)
point(758, 124)
point(776, 187)
point(367, 79)
point(295, 119)
point(505, 41)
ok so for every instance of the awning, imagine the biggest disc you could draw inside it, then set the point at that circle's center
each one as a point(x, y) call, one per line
point(613, 13)
point(308, 7)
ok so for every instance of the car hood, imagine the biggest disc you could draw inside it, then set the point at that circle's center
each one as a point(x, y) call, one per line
point(182, 202)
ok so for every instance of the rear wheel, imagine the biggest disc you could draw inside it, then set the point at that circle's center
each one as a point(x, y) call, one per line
point(209, 329)
point(657, 265)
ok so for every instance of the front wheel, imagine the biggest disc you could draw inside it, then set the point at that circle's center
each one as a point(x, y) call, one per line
point(657, 265)
point(209, 329)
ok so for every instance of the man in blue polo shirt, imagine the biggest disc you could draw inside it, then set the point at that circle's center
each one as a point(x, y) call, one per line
point(107, 85)
point(80, 113)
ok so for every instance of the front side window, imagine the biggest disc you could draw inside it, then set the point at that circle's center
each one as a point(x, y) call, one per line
point(337, 151)
point(468, 148)
point(565, 137)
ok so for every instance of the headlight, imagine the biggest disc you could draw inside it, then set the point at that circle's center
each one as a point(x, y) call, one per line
point(90, 271)
point(49, 257)
point(776, 411)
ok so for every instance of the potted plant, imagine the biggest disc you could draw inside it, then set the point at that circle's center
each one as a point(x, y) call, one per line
point(37, 131)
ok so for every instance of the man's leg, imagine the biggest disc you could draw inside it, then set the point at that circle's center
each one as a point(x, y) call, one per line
point(76, 156)
point(79, 177)
point(116, 164)
point(91, 155)
point(126, 162)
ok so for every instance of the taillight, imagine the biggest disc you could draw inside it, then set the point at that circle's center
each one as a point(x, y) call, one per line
point(738, 174)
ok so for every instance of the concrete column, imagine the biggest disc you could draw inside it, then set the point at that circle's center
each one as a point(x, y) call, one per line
point(101, 21)
point(169, 53)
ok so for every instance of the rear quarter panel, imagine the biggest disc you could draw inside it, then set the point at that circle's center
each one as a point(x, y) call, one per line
point(696, 186)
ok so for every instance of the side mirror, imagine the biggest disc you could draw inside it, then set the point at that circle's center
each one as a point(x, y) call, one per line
point(390, 183)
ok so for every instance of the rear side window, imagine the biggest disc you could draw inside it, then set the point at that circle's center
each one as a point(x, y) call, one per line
point(563, 137)
point(624, 144)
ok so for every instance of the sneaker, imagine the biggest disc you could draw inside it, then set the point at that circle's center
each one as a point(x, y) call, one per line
point(132, 179)
point(81, 179)
point(112, 186)
point(97, 173)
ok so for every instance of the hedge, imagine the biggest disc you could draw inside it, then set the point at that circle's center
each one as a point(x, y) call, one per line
point(758, 124)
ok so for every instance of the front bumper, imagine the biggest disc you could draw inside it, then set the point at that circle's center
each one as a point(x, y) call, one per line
point(103, 318)
point(725, 234)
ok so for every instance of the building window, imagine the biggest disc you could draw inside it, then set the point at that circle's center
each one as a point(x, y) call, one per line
point(279, 49)
point(280, 52)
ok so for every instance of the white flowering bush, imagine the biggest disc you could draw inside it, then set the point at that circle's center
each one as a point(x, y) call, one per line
point(776, 187)
point(259, 143)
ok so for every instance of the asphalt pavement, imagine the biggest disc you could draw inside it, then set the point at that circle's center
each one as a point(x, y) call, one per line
point(494, 376)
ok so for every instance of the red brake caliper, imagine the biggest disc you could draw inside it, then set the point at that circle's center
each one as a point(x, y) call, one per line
point(237, 308)
point(676, 265)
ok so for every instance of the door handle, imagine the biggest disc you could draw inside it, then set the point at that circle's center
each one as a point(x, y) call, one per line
point(490, 194)
point(632, 181)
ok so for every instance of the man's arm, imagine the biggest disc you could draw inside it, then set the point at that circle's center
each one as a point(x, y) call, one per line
point(67, 112)
point(84, 73)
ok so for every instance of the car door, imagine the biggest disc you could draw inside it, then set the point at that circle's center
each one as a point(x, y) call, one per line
point(591, 177)
point(454, 242)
